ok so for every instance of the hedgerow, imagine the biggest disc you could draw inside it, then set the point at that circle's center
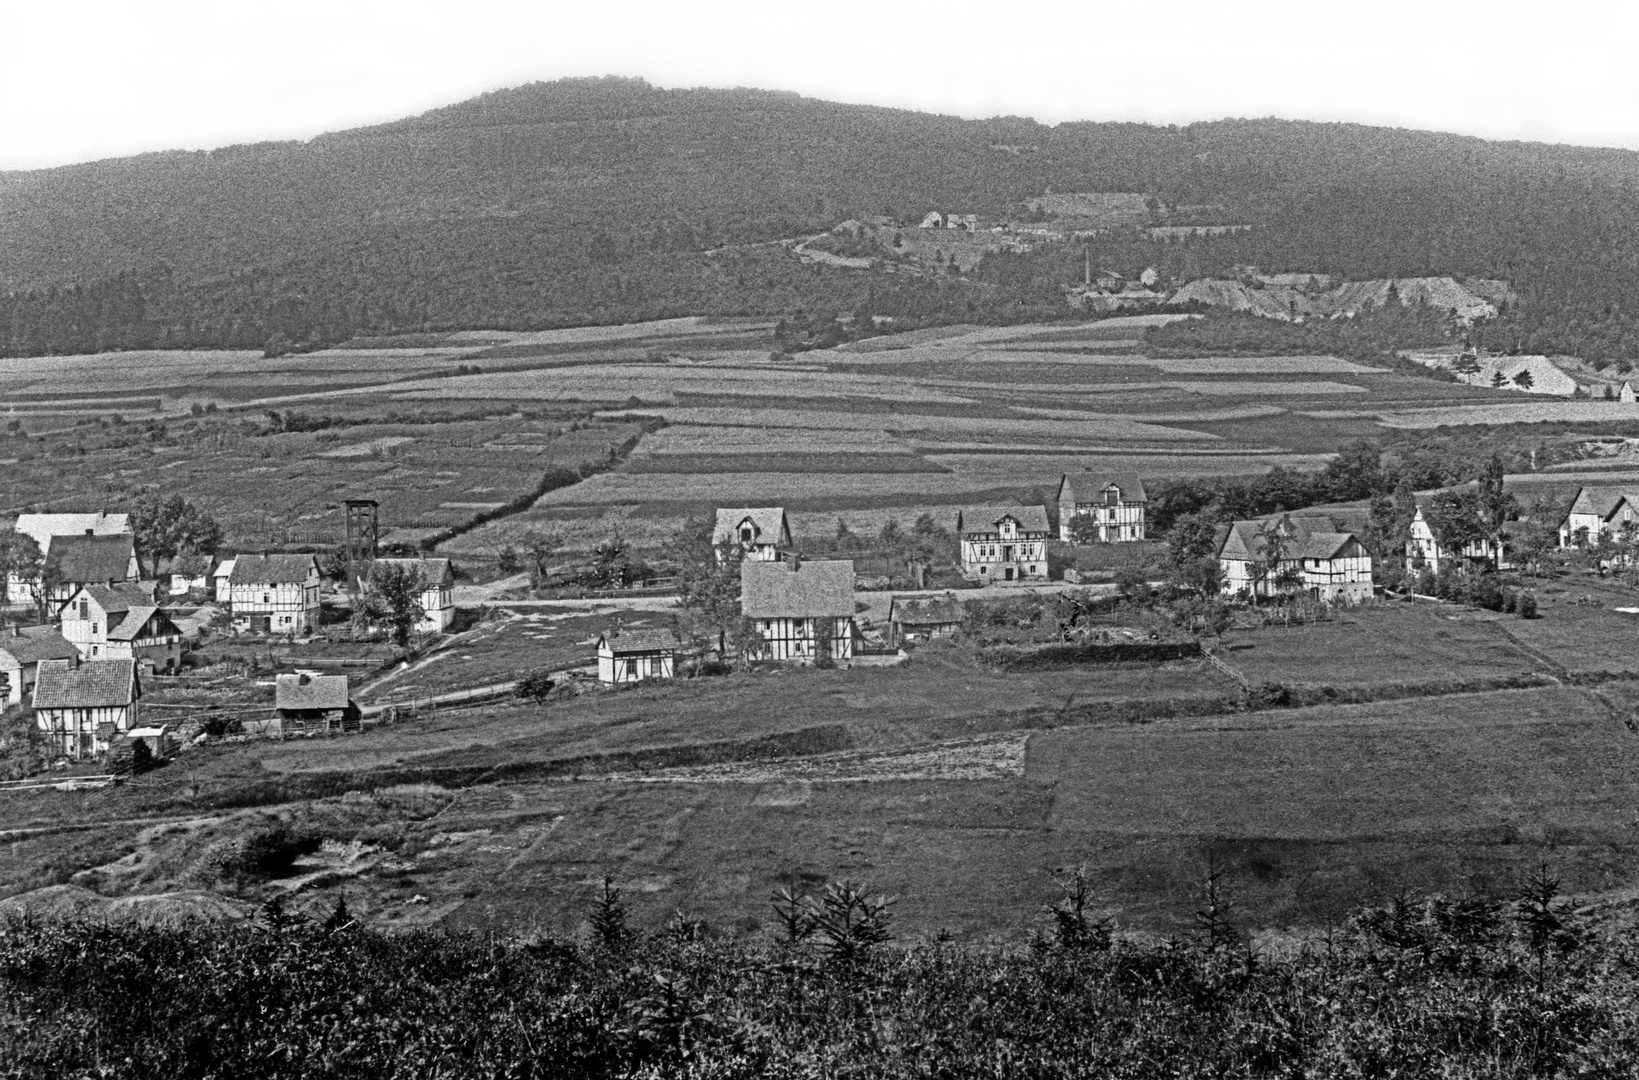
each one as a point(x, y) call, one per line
point(1436, 986)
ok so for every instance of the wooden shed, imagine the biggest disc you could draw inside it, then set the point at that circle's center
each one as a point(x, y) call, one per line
point(913, 619)
point(315, 702)
point(634, 655)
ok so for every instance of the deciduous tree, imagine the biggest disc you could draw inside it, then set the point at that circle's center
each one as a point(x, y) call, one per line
point(395, 592)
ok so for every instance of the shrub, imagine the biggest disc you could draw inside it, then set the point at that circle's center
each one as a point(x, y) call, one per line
point(271, 851)
point(1528, 605)
point(535, 686)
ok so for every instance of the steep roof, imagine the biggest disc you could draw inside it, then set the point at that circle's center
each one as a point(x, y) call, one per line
point(1066, 492)
point(1312, 537)
point(95, 684)
point(224, 569)
point(926, 610)
point(271, 569)
point(812, 587)
point(638, 641)
point(298, 691)
point(31, 644)
point(130, 628)
point(93, 558)
point(1132, 488)
point(42, 527)
point(434, 572)
point(982, 518)
point(768, 521)
point(119, 597)
point(1600, 501)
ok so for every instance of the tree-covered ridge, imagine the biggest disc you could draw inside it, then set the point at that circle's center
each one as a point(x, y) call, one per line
point(607, 200)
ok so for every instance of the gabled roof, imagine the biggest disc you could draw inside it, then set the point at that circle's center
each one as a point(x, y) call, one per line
point(272, 569)
point(1066, 492)
point(638, 641)
point(95, 684)
point(1602, 502)
point(42, 527)
point(298, 691)
point(434, 572)
point(984, 518)
point(224, 569)
point(811, 587)
point(93, 558)
point(117, 598)
point(1132, 488)
point(31, 644)
point(130, 628)
point(1312, 537)
point(769, 523)
point(926, 610)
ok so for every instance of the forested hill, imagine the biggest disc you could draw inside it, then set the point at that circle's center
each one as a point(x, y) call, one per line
point(598, 200)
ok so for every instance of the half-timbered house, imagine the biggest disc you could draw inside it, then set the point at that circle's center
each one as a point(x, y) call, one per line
point(44, 528)
point(1423, 548)
point(22, 648)
point(1003, 543)
point(762, 533)
point(1595, 512)
point(79, 561)
point(627, 656)
point(80, 710)
point(1111, 513)
point(799, 608)
point(275, 594)
point(121, 622)
point(1289, 553)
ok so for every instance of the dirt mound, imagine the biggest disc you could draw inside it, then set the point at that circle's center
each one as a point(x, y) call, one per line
point(71, 901)
point(1271, 303)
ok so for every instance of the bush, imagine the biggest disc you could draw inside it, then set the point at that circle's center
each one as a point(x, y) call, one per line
point(1528, 605)
point(272, 851)
point(535, 686)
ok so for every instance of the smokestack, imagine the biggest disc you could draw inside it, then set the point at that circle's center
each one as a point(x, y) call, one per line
point(1087, 270)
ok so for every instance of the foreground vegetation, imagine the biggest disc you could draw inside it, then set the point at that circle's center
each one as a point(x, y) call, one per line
point(1434, 986)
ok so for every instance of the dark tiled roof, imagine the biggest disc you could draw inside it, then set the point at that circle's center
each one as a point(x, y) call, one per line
point(95, 684)
point(796, 590)
point(124, 596)
point(131, 627)
point(93, 558)
point(310, 692)
point(926, 610)
point(982, 519)
point(31, 644)
point(640, 641)
point(769, 521)
point(271, 569)
point(1311, 537)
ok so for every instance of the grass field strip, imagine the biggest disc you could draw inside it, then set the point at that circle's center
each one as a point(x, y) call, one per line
point(988, 757)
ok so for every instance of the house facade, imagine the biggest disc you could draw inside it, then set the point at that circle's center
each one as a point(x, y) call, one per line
point(22, 648)
point(628, 656)
point(274, 594)
point(43, 528)
point(1115, 509)
point(80, 709)
point(1424, 550)
point(1003, 543)
point(121, 622)
point(1594, 512)
point(1318, 559)
point(799, 606)
point(915, 619)
point(762, 533)
point(437, 591)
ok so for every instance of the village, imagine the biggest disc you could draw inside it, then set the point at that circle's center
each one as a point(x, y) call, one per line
point(97, 657)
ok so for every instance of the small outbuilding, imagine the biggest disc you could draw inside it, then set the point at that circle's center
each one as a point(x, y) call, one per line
point(627, 656)
point(315, 702)
point(914, 619)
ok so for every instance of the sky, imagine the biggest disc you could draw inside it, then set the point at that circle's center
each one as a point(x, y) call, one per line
point(99, 78)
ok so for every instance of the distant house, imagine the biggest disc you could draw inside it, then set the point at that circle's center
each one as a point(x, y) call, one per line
point(1595, 512)
point(1625, 394)
point(191, 573)
point(933, 220)
point(437, 592)
point(763, 533)
point(793, 605)
point(1116, 509)
point(222, 581)
point(967, 222)
point(91, 560)
point(43, 528)
point(634, 655)
point(1424, 550)
point(22, 648)
point(274, 594)
point(121, 622)
point(913, 619)
point(1319, 559)
point(310, 701)
point(79, 710)
point(1002, 543)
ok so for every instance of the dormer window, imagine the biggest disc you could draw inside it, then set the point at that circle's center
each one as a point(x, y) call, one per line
point(745, 534)
point(1112, 496)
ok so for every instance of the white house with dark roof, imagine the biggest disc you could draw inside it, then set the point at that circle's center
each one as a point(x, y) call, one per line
point(22, 648)
point(191, 573)
point(275, 594)
point(795, 604)
point(1115, 509)
point(44, 528)
point(79, 710)
point(437, 591)
point(1327, 563)
point(632, 655)
point(121, 622)
point(763, 533)
point(1003, 543)
point(1594, 512)
point(79, 561)
point(1423, 548)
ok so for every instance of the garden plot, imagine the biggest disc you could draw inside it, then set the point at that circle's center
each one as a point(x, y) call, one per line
point(992, 757)
point(908, 423)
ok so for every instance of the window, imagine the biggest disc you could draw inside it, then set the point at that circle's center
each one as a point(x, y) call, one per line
point(264, 598)
point(93, 629)
point(85, 609)
point(745, 535)
point(631, 669)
